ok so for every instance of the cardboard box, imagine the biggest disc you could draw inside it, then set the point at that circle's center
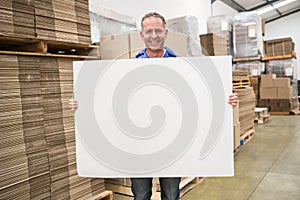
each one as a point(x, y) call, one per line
point(280, 46)
point(282, 82)
point(114, 47)
point(285, 92)
point(178, 42)
point(236, 135)
point(266, 80)
point(268, 93)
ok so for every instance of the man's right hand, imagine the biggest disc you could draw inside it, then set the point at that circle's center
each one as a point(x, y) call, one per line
point(73, 104)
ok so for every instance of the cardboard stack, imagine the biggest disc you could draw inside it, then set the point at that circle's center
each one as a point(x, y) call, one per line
point(213, 45)
point(236, 128)
point(38, 147)
point(284, 68)
point(14, 165)
point(221, 25)
point(247, 35)
point(246, 108)
point(187, 25)
point(277, 94)
point(254, 68)
point(33, 126)
point(66, 21)
point(17, 18)
point(280, 46)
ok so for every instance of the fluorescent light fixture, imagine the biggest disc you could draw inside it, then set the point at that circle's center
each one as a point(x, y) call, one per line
point(274, 6)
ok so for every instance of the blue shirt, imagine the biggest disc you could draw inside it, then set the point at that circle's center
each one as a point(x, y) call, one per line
point(169, 53)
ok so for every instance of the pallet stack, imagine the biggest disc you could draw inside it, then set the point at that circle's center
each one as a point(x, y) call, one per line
point(281, 67)
point(246, 106)
point(37, 127)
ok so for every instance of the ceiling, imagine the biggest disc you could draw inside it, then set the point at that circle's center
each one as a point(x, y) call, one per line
point(275, 11)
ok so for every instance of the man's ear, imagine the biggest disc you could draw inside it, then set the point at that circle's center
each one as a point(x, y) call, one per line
point(141, 34)
point(167, 30)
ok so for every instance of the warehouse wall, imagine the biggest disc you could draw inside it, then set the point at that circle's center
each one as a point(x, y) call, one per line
point(287, 26)
point(168, 8)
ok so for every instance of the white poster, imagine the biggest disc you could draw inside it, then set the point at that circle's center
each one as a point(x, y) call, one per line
point(154, 117)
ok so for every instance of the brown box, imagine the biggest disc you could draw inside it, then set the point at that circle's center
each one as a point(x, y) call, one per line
point(281, 82)
point(236, 135)
point(268, 93)
point(213, 45)
point(114, 47)
point(285, 92)
point(266, 80)
point(236, 114)
point(280, 46)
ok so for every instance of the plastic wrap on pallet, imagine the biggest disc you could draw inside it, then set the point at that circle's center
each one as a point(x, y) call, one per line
point(247, 35)
point(252, 67)
point(105, 21)
point(221, 25)
point(189, 26)
point(282, 68)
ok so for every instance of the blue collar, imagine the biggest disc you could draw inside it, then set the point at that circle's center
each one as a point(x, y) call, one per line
point(169, 53)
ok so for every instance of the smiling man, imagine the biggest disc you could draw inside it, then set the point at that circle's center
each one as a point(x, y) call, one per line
point(154, 33)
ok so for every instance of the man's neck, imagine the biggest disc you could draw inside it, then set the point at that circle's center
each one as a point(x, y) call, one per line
point(155, 54)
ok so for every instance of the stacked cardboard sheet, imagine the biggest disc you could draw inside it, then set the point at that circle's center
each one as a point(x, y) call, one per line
point(14, 166)
point(247, 35)
point(37, 131)
point(213, 45)
point(280, 46)
point(221, 25)
point(17, 18)
point(66, 21)
point(246, 108)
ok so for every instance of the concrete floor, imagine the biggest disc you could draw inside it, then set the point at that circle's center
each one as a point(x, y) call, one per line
point(266, 168)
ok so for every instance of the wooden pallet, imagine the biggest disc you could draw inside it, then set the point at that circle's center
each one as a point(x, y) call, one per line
point(105, 195)
point(279, 57)
point(246, 137)
point(262, 120)
point(35, 47)
point(244, 59)
point(261, 115)
point(240, 83)
point(186, 185)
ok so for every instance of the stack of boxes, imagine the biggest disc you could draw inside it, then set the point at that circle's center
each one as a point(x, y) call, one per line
point(278, 47)
point(187, 25)
point(277, 94)
point(247, 31)
point(221, 26)
point(213, 45)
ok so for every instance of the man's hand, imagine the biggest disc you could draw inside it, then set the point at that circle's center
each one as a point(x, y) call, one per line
point(233, 99)
point(73, 104)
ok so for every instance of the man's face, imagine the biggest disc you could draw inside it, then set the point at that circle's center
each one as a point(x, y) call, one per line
point(154, 33)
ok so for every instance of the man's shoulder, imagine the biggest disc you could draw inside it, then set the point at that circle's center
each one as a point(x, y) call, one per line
point(169, 52)
point(141, 54)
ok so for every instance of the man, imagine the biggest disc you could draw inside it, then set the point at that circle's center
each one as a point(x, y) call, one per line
point(154, 34)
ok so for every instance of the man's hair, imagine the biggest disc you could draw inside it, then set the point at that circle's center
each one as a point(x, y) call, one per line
point(153, 14)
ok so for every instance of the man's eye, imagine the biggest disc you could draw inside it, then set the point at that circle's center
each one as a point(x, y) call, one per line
point(149, 32)
point(159, 31)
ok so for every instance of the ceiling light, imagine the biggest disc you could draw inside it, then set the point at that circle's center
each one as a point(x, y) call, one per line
point(274, 6)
